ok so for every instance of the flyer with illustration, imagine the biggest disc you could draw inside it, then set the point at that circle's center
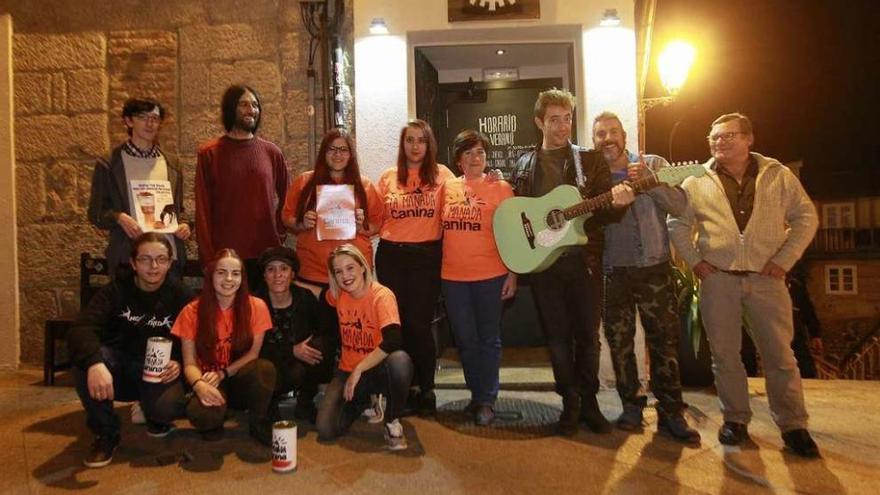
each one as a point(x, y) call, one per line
point(335, 209)
point(154, 206)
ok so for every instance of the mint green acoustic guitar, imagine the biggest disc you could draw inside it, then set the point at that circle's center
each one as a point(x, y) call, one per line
point(531, 233)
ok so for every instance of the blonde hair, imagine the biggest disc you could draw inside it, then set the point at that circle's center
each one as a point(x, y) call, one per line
point(358, 256)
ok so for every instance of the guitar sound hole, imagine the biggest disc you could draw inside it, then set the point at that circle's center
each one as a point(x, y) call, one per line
point(555, 219)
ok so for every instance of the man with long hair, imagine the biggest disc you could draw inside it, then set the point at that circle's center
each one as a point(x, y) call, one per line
point(241, 182)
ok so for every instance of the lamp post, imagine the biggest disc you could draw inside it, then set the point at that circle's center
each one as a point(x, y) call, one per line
point(673, 64)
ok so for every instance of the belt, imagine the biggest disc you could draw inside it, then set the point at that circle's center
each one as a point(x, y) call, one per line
point(739, 273)
point(412, 245)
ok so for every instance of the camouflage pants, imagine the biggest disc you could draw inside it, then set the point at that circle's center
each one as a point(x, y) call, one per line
point(651, 290)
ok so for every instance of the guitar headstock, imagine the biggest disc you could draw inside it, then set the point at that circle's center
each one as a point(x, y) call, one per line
point(679, 171)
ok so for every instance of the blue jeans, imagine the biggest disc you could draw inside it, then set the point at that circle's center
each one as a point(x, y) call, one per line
point(161, 402)
point(474, 312)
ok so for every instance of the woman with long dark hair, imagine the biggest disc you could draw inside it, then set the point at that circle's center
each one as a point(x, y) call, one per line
point(221, 334)
point(409, 252)
point(336, 164)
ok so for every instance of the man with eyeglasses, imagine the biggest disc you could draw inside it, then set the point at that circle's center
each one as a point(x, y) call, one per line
point(112, 205)
point(241, 183)
point(108, 343)
point(569, 294)
point(638, 275)
point(753, 220)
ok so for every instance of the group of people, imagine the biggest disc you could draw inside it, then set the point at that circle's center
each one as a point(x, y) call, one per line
point(323, 313)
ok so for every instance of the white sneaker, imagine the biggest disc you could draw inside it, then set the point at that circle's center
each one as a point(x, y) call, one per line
point(376, 412)
point(394, 436)
point(137, 414)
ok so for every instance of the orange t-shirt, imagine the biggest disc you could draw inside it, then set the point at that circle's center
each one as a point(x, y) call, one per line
point(187, 325)
point(361, 322)
point(469, 251)
point(313, 253)
point(411, 213)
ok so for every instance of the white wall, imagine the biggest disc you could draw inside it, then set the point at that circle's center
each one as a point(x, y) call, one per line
point(605, 62)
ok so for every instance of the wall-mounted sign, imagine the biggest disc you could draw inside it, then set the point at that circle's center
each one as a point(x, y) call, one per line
point(493, 10)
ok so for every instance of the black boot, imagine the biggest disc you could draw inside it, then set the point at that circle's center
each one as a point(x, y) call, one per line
point(568, 420)
point(592, 416)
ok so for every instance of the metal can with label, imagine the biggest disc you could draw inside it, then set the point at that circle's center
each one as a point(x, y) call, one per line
point(156, 359)
point(283, 446)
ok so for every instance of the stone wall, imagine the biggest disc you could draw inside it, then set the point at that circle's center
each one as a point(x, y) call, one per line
point(73, 67)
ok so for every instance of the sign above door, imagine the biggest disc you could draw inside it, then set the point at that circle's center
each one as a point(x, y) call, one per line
point(493, 10)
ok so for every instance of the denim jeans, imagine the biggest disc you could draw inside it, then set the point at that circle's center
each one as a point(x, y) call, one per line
point(161, 402)
point(474, 311)
point(390, 377)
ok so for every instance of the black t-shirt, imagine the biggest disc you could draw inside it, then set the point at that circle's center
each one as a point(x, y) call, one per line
point(549, 173)
point(291, 325)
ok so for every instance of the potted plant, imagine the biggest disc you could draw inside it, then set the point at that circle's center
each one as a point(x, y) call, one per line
point(694, 357)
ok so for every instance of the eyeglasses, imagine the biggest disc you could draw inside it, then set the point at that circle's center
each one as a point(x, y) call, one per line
point(145, 260)
point(724, 136)
point(341, 150)
point(148, 117)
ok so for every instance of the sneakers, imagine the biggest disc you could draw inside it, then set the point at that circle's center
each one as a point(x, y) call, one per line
point(101, 453)
point(630, 419)
point(801, 443)
point(484, 415)
point(376, 412)
point(157, 430)
point(394, 436)
point(732, 433)
point(676, 427)
point(137, 414)
point(427, 405)
point(592, 416)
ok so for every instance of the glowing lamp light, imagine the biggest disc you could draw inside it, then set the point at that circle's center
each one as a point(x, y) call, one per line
point(610, 18)
point(674, 64)
point(378, 26)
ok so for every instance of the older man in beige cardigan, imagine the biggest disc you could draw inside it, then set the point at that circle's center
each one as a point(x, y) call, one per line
point(753, 220)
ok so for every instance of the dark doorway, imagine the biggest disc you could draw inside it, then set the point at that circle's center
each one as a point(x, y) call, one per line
point(452, 96)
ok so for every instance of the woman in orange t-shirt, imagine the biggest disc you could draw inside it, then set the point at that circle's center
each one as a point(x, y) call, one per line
point(371, 362)
point(474, 279)
point(221, 334)
point(409, 252)
point(336, 164)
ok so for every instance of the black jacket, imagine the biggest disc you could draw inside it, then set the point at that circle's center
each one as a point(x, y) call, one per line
point(109, 198)
point(597, 180)
point(123, 317)
point(301, 321)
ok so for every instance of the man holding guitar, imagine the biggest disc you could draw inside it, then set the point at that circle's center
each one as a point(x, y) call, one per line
point(638, 275)
point(568, 293)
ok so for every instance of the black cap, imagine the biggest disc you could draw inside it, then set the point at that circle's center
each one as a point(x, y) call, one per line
point(280, 253)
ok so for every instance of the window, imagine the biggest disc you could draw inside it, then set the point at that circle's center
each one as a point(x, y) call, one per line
point(841, 279)
point(838, 216)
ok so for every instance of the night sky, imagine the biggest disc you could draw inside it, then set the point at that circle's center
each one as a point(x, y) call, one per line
point(807, 72)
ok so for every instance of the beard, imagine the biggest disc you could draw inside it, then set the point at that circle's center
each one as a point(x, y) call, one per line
point(245, 125)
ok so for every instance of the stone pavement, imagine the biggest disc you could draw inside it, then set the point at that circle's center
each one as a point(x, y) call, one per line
point(43, 438)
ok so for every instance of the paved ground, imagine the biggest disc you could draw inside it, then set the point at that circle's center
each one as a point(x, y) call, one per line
point(43, 438)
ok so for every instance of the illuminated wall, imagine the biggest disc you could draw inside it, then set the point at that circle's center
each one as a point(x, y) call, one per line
point(605, 62)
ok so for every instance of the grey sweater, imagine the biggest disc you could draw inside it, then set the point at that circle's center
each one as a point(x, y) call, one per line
point(782, 224)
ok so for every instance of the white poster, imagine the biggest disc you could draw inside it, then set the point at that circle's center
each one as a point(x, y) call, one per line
point(154, 206)
point(335, 209)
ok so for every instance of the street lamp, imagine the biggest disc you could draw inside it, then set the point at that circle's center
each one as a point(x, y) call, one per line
point(673, 64)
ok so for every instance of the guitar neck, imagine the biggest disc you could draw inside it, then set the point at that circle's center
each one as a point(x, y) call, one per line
point(604, 200)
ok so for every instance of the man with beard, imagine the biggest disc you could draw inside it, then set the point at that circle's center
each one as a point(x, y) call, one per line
point(753, 221)
point(241, 182)
point(569, 293)
point(638, 275)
